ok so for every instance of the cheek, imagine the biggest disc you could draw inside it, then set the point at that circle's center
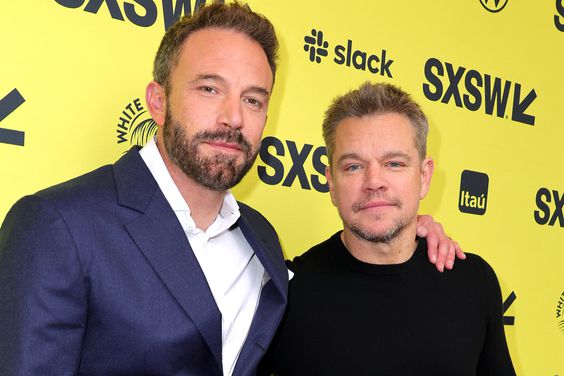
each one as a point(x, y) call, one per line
point(345, 193)
point(253, 132)
point(197, 110)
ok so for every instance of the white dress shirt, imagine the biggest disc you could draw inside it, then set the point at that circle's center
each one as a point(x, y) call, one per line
point(233, 271)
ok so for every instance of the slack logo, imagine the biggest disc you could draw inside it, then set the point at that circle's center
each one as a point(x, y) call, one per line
point(473, 192)
point(347, 54)
point(316, 46)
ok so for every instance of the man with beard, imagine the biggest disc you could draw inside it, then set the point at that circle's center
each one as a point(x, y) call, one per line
point(366, 301)
point(150, 266)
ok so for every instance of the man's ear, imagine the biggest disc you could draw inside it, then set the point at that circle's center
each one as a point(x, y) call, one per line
point(155, 97)
point(329, 178)
point(427, 168)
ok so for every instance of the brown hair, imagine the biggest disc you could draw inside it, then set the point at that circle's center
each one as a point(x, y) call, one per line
point(233, 16)
point(373, 99)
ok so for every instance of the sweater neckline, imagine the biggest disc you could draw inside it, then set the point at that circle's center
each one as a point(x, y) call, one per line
point(382, 269)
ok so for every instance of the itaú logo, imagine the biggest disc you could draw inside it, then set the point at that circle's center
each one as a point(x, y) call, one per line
point(473, 192)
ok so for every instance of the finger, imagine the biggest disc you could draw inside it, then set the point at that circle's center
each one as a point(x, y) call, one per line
point(422, 230)
point(442, 253)
point(432, 243)
point(450, 257)
point(461, 255)
point(422, 224)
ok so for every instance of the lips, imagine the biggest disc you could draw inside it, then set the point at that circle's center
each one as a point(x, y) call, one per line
point(375, 204)
point(229, 146)
point(227, 139)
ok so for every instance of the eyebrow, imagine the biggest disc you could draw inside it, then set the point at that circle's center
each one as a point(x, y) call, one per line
point(217, 77)
point(348, 156)
point(389, 155)
point(397, 154)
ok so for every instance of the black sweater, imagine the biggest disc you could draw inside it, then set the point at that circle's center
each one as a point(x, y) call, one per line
point(346, 317)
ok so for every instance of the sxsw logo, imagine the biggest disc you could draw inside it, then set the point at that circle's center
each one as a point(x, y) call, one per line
point(473, 192)
point(142, 13)
point(271, 168)
point(559, 17)
point(346, 54)
point(472, 90)
point(549, 204)
point(9, 104)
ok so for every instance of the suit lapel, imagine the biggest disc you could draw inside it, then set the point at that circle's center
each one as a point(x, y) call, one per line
point(270, 258)
point(161, 239)
point(272, 303)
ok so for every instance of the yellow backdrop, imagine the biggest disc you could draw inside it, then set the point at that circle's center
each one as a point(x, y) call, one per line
point(488, 73)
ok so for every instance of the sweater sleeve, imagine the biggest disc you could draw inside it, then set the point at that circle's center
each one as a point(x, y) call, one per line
point(495, 358)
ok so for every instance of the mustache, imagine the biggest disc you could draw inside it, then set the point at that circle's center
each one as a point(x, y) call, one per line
point(357, 206)
point(226, 135)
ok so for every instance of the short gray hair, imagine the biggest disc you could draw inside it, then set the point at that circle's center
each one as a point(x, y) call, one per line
point(374, 99)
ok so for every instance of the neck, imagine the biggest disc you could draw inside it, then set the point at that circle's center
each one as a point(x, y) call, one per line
point(204, 203)
point(396, 251)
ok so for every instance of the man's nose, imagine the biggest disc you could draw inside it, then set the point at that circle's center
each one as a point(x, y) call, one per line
point(232, 112)
point(374, 178)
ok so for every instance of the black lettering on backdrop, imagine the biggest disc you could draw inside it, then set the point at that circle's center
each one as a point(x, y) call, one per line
point(559, 18)
point(271, 161)
point(272, 148)
point(70, 3)
point(9, 104)
point(545, 215)
point(472, 90)
point(145, 20)
point(143, 13)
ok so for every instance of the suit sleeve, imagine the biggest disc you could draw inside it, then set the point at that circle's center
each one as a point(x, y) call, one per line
point(495, 358)
point(42, 292)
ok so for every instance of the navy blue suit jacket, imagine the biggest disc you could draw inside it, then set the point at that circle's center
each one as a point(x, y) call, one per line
point(97, 278)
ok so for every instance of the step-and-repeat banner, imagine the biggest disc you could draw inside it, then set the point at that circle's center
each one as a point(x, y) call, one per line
point(489, 74)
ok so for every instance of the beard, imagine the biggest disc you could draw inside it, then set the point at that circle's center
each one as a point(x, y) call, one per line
point(381, 236)
point(217, 172)
point(378, 237)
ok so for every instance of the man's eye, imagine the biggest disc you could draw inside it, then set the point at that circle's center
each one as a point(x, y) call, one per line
point(208, 89)
point(254, 102)
point(352, 168)
point(394, 164)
